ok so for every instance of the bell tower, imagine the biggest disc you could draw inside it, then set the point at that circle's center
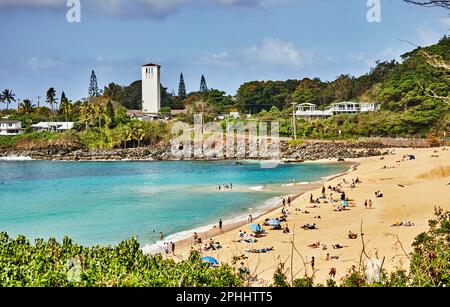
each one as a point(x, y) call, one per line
point(151, 88)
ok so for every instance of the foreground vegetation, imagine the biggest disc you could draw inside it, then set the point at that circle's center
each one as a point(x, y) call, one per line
point(51, 264)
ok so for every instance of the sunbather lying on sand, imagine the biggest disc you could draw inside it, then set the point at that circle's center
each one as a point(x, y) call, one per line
point(260, 250)
point(309, 226)
point(404, 224)
point(338, 246)
point(247, 240)
point(331, 257)
point(314, 245)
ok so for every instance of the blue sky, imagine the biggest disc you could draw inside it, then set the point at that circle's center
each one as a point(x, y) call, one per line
point(229, 41)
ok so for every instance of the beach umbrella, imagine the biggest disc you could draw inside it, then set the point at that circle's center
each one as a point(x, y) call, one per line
point(210, 260)
point(273, 222)
point(255, 227)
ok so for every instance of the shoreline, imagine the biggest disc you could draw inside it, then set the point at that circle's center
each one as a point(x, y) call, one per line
point(214, 231)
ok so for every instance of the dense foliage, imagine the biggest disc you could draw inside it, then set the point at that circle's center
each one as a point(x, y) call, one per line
point(51, 264)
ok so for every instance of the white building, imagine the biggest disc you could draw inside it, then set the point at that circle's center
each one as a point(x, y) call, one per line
point(10, 127)
point(53, 126)
point(151, 88)
point(309, 110)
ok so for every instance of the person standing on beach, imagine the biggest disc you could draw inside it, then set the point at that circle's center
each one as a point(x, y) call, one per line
point(173, 248)
point(161, 236)
point(284, 202)
point(250, 218)
point(289, 201)
point(313, 263)
point(166, 248)
point(220, 224)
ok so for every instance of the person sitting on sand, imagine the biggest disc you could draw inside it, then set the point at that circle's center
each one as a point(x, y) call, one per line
point(370, 204)
point(378, 194)
point(352, 236)
point(286, 229)
point(211, 245)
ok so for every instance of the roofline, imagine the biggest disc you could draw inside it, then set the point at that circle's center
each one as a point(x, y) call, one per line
point(151, 64)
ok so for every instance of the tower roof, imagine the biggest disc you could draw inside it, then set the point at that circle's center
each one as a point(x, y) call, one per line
point(151, 64)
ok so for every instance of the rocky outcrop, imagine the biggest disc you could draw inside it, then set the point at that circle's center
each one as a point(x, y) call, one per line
point(305, 151)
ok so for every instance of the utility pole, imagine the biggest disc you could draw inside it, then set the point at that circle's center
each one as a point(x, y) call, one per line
point(294, 122)
point(39, 101)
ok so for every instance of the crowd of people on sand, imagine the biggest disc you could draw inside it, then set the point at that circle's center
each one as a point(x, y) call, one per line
point(334, 195)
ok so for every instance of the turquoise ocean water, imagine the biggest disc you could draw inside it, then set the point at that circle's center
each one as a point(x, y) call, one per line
point(107, 202)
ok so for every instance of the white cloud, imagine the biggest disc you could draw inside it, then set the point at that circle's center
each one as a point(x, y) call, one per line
point(277, 52)
point(39, 63)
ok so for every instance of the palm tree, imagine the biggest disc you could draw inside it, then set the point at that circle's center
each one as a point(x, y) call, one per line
point(137, 132)
point(51, 97)
point(26, 107)
point(7, 97)
point(66, 108)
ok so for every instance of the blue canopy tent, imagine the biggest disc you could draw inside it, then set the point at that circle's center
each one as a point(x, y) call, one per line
point(273, 222)
point(255, 227)
point(210, 260)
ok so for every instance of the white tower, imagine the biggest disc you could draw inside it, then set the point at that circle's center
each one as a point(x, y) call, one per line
point(151, 88)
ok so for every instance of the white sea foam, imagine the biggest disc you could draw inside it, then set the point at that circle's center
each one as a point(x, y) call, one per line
point(257, 188)
point(15, 158)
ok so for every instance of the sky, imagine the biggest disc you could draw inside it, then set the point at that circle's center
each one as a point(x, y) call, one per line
point(228, 41)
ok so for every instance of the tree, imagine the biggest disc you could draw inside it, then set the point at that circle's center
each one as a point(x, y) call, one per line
point(182, 88)
point(431, 3)
point(51, 98)
point(203, 86)
point(93, 87)
point(342, 87)
point(86, 113)
point(7, 97)
point(110, 112)
point(63, 98)
point(307, 92)
point(65, 107)
point(26, 107)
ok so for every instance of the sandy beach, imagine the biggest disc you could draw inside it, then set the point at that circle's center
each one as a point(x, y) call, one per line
point(411, 190)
